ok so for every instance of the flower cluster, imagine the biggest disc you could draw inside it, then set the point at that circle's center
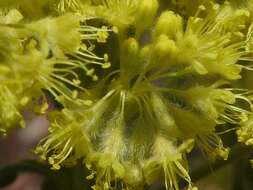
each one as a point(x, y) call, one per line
point(139, 87)
point(44, 54)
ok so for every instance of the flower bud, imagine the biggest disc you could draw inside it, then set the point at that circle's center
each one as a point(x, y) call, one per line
point(146, 13)
point(129, 58)
point(145, 52)
point(169, 24)
point(130, 48)
point(165, 47)
point(130, 51)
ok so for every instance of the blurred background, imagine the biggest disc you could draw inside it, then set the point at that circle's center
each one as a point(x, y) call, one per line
point(18, 147)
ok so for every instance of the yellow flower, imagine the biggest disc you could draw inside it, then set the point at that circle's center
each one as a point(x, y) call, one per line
point(136, 102)
point(66, 143)
point(245, 132)
point(171, 160)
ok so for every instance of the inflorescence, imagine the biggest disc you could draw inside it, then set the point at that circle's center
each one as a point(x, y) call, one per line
point(139, 85)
